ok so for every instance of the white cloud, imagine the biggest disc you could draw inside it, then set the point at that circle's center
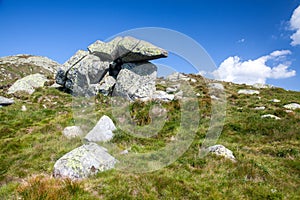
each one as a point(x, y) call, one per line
point(233, 69)
point(295, 25)
point(280, 53)
point(241, 40)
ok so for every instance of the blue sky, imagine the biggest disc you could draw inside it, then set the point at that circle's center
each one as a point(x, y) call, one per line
point(237, 34)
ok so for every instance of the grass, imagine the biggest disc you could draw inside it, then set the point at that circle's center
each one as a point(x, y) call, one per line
point(267, 150)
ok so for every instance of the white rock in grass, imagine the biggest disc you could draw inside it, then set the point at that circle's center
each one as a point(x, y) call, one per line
point(84, 161)
point(72, 132)
point(275, 100)
point(220, 150)
point(260, 108)
point(103, 131)
point(251, 92)
point(292, 106)
point(270, 116)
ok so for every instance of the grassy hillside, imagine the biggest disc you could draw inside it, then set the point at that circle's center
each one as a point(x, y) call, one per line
point(267, 150)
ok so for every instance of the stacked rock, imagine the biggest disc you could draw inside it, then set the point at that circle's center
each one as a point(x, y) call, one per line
point(120, 67)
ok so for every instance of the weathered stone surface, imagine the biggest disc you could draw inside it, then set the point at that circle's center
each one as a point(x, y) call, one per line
point(163, 96)
point(245, 91)
point(292, 106)
point(106, 85)
point(133, 50)
point(171, 89)
point(260, 108)
point(28, 83)
point(270, 116)
point(129, 49)
point(220, 150)
point(5, 101)
point(136, 80)
point(77, 57)
point(61, 75)
point(261, 86)
point(84, 161)
point(24, 59)
point(72, 132)
point(103, 131)
point(105, 50)
point(216, 86)
point(90, 70)
point(176, 76)
point(275, 100)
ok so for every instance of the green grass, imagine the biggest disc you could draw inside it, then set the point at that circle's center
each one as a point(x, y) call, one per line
point(267, 150)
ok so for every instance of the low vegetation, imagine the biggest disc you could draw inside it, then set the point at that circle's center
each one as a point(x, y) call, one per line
point(267, 150)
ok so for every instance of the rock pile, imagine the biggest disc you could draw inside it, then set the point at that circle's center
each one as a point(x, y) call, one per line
point(120, 67)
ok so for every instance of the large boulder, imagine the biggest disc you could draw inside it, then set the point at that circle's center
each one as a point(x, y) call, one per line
point(84, 161)
point(28, 83)
point(129, 49)
point(136, 80)
point(102, 132)
point(61, 75)
point(89, 70)
point(5, 101)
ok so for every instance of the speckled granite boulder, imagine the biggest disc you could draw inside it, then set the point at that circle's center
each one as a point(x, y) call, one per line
point(84, 161)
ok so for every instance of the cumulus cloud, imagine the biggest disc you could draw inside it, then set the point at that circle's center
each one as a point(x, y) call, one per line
point(295, 25)
point(233, 69)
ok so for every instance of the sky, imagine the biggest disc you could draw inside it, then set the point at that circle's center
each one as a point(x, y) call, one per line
point(249, 41)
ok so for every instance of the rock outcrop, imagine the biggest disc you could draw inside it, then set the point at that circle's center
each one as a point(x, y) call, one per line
point(84, 161)
point(25, 59)
point(28, 84)
point(19, 66)
point(119, 67)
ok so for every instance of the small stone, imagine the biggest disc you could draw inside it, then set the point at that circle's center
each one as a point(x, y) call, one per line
point(220, 150)
point(23, 108)
point(270, 116)
point(250, 92)
point(260, 108)
point(171, 90)
point(5, 101)
point(292, 106)
point(72, 132)
point(275, 100)
point(124, 152)
point(214, 97)
point(163, 96)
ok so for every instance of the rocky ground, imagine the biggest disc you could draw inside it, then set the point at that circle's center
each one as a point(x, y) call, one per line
point(54, 148)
